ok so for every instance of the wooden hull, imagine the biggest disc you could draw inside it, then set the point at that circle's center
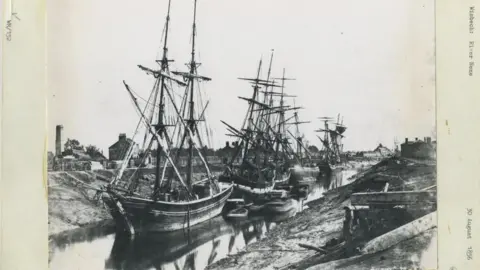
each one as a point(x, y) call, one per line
point(304, 175)
point(282, 216)
point(239, 180)
point(240, 213)
point(283, 179)
point(301, 191)
point(256, 209)
point(324, 169)
point(279, 180)
point(255, 191)
point(279, 206)
point(136, 214)
point(253, 188)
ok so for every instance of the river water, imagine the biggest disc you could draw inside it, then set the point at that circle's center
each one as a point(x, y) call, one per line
point(100, 248)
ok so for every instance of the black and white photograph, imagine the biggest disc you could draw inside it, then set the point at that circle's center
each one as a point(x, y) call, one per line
point(253, 134)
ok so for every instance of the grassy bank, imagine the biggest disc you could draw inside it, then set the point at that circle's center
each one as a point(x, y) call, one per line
point(324, 219)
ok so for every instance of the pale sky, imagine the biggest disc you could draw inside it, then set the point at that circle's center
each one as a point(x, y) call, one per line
point(372, 61)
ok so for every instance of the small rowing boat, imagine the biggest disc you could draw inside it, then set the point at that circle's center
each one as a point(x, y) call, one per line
point(239, 213)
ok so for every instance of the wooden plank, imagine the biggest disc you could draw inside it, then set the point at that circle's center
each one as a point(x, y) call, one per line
point(430, 187)
point(386, 187)
point(402, 233)
point(394, 198)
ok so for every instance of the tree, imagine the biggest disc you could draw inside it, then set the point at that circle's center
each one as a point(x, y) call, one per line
point(50, 158)
point(312, 149)
point(207, 151)
point(93, 151)
point(71, 144)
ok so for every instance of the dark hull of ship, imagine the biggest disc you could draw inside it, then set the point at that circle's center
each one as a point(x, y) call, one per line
point(279, 206)
point(283, 179)
point(135, 214)
point(304, 175)
point(325, 169)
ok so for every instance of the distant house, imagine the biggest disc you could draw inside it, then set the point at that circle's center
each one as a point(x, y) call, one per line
point(425, 149)
point(384, 151)
point(227, 152)
point(379, 152)
point(118, 150)
point(80, 155)
point(372, 154)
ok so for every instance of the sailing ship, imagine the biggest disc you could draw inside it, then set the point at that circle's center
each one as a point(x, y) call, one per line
point(264, 160)
point(180, 198)
point(304, 171)
point(332, 146)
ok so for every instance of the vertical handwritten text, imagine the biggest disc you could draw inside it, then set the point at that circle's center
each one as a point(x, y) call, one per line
point(9, 26)
point(471, 44)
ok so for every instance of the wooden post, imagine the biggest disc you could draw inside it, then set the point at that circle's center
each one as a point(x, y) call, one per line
point(347, 231)
point(347, 225)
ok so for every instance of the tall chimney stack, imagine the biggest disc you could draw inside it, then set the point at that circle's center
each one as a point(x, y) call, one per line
point(58, 140)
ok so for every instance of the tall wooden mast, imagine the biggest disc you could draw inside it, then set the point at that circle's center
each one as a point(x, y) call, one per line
point(267, 95)
point(281, 131)
point(191, 122)
point(160, 127)
point(250, 121)
point(297, 133)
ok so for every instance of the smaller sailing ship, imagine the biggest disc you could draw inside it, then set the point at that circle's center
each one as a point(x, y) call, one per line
point(180, 197)
point(332, 147)
point(305, 171)
point(302, 168)
point(264, 161)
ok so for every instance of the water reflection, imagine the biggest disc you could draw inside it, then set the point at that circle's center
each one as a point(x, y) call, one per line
point(193, 249)
point(203, 244)
point(337, 178)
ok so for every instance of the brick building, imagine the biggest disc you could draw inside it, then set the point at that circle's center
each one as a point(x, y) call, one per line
point(226, 153)
point(426, 149)
point(118, 150)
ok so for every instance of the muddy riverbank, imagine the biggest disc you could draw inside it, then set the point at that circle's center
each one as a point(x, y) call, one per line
point(81, 228)
point(72, 203)
point(323, 221)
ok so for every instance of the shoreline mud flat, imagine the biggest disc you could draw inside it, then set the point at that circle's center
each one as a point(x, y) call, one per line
point(323, 222)
point(72, 203)
point(73, 207)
